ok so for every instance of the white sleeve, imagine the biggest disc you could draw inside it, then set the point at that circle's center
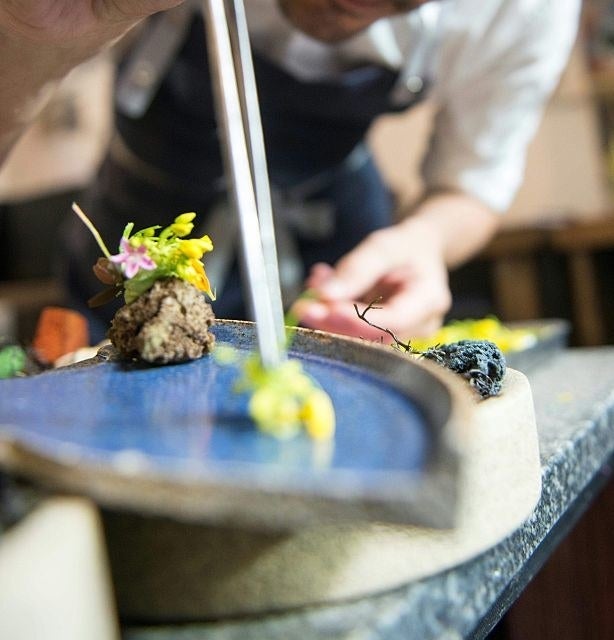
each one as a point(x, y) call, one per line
point(492, 84)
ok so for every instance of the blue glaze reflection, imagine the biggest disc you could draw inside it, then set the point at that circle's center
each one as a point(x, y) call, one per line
point(188, 413)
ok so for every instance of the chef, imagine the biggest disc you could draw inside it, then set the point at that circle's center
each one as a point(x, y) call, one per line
point(325, 70)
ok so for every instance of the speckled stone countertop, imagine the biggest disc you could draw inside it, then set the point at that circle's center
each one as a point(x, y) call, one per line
point(574, 402)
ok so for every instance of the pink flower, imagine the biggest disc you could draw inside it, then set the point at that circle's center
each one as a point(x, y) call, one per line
point(132, 259)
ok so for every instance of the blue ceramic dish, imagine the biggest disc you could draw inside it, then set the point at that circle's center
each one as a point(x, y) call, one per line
point(177, 439)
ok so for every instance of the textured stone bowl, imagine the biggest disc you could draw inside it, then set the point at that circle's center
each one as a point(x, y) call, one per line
point(200, 527)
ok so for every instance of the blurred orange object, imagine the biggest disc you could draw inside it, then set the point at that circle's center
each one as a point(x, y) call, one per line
point(59, 331)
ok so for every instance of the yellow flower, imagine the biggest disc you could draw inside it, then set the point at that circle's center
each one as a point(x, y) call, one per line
point(185, 217)
point(275, 413)
point(181, 229)
point(206, 243)
point(195, 247)
point(194, 273)
point(318, 415)
point(191, 249)
point(182, 226)
point(506, 338)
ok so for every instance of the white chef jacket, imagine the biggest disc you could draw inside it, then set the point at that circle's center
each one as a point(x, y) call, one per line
point(490, 66)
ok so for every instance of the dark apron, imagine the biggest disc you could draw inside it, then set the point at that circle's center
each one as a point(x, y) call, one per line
point(169, 161)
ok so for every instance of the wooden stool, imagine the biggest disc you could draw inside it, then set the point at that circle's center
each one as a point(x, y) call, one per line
point(515, 272)
point(579, 242)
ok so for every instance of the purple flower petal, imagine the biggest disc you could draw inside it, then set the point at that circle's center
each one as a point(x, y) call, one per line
point(132, 259)
point(131, 268)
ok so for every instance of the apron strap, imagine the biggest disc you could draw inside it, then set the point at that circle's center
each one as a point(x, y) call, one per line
point(146, 65)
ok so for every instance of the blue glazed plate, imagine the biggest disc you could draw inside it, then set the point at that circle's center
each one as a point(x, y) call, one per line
point(177, 440)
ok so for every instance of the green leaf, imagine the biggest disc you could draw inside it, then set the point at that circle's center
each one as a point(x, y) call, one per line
point(12, 361)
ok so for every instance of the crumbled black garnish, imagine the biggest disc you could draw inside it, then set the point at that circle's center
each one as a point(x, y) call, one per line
point(479, 361)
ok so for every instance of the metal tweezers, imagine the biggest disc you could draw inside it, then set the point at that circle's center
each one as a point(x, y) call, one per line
point(243, 149)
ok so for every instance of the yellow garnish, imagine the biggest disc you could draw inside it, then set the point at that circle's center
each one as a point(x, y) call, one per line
point(283, 400)
point(490, 328)
point(318, 415)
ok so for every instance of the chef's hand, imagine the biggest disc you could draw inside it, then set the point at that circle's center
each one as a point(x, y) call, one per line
point(407, 281)
point(403, 269)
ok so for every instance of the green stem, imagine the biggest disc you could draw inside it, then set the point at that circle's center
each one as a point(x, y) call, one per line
point(291, 320)
point(88, 223)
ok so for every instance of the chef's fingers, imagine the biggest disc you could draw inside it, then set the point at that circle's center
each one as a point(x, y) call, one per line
point(410, 306)
point(318, 275)
point(359, 270)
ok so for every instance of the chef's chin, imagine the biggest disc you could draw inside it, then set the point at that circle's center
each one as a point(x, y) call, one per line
point(323, 19)
point(337, 20)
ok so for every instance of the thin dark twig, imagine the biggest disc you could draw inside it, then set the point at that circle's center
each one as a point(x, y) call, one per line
point(403, 346)
point(465, 357)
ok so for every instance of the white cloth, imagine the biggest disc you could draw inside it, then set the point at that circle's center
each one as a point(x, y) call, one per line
point(491, 66)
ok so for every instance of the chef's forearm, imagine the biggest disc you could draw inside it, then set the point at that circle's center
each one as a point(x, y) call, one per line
point(27, 80)
point(458, 223)
point(42, 40)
